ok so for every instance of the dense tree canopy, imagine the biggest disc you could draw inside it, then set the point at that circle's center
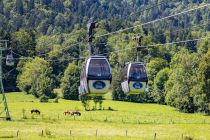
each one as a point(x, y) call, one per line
point(182, 81)
point(48, 40)
point(35, 78)
point(70, 82)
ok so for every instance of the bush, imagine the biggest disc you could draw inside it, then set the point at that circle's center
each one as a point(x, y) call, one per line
point(44, 99)
point(97, 100)
point(45, 87)
point(35, 78)
point(159, 85)
point(70, 82)
point(110, 108)
point(188, 138)
point(117, 93)
point(48, 132)
point(56, 100)
point(85, 101)
point(27, 88)
point(180, 85)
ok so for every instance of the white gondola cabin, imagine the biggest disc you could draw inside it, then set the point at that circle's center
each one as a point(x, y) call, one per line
point(95, 78)
point(10, 60)
point(134, 78)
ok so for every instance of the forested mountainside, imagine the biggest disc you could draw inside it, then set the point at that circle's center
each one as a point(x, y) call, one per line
point(59, 16)
point(48, 37)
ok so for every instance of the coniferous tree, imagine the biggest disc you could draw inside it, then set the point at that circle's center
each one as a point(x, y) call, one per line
point(31, 5)
point(19, 7)
point(46, 2)
point(58, 6)
point(1, 7)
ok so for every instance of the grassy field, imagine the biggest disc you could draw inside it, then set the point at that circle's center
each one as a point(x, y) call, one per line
point(127, 121)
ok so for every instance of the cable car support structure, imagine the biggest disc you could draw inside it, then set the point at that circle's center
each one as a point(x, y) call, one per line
point(3, 47)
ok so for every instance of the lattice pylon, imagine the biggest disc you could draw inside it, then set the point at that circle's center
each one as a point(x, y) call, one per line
point(3, 46)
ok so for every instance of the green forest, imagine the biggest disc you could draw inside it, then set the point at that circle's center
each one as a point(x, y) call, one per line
point(48, 40)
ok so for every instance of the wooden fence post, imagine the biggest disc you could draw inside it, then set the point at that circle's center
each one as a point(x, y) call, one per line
point(96, 132)
point(17, 133)
point(155, 136)
point(126, 133)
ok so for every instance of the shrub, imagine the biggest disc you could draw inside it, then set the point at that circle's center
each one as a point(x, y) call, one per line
point(44, 99)
point(70, 82)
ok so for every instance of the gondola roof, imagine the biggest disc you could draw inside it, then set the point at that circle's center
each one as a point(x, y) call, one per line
point(127, 63)
point(97, 56)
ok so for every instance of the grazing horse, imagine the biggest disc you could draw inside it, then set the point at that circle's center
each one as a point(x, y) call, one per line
point(35, 111)
point(75, 113)
point(67, 112)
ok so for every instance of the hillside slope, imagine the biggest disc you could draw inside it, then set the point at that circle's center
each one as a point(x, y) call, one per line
point(58, 16)
point(140, 121)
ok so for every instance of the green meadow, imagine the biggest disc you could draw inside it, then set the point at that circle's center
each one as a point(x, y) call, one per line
point(125, 121)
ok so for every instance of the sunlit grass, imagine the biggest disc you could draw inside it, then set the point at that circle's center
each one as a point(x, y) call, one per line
point(140, 121)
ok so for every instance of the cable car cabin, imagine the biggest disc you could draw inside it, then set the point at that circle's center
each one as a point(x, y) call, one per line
point(10, 60)
point(134, 78)
point(95, 78)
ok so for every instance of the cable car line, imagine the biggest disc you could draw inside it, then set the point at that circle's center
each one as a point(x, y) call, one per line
point(153, 21)
point(105, 44)
point(183, 29)
point(118, 51)
point(8, 73)
point(178, 42)
point(174, 31)
point(155, 35)
point(149, 7)
point(27, 58)
point(134, 79)
point(17, 54)
point(101, 43)
point(129, 48)
point(157, 20)
point(95, 75)
point(147, 23)
point(155, 45)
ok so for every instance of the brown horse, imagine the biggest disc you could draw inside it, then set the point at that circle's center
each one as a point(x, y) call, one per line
point(67, 112)
point(35, 111)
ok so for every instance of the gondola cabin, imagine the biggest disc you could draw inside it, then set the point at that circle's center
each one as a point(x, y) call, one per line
point(95, 78)
point(134, 78)
point(10, 60)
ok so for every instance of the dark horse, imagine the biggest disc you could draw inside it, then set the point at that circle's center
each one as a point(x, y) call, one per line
point(75, 113)
point(35, 111)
